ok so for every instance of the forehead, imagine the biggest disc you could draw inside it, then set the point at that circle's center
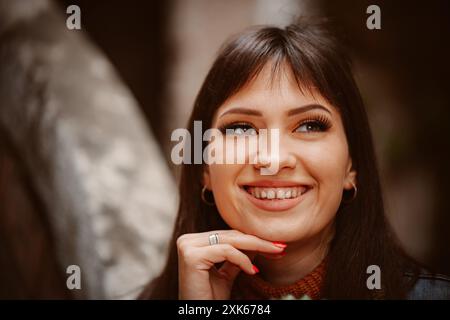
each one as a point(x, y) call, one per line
point(273, 91)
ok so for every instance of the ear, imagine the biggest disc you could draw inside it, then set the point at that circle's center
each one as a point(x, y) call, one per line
point(350, 177)
point(206, 177)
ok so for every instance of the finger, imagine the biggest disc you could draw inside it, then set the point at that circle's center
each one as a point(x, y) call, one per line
point(225, 252)
point(238, 240)
point(230, 271)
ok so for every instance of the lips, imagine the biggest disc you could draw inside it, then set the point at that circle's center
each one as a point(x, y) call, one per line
point(275, 195)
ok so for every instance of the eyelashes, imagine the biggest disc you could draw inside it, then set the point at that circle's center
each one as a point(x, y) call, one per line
point(312, 124)
point(318, 123)
point(238, 128)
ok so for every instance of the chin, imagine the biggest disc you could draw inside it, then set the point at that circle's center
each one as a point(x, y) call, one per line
point(283, 232)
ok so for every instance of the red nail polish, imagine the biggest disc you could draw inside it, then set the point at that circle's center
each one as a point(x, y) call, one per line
point(255, 269)
point(279, 244)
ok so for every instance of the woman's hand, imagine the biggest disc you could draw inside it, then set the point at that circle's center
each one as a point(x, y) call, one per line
point(200, 279)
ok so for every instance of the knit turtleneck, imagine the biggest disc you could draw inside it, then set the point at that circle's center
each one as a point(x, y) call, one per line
point(253, 287)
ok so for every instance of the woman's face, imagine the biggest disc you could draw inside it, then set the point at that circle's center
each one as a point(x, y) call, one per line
point(301, 198)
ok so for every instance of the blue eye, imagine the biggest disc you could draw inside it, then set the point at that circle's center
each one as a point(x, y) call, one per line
point(239, 129)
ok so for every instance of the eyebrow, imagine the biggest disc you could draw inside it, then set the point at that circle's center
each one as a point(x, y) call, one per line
point(298, 110)
point(306, 108)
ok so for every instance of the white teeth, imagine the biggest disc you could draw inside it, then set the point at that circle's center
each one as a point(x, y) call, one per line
point(280, 194)
point(276, 193)
point(287, 194)
point(294, 193)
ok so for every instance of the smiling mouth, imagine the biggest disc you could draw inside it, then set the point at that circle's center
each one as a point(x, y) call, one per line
point(276, 193)
point(273, 198)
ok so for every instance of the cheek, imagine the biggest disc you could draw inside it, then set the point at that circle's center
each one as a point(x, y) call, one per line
point(223, 174)
point(326, 162)
point(223, 183)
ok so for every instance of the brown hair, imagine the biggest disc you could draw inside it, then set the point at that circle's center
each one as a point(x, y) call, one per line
point(318, 61)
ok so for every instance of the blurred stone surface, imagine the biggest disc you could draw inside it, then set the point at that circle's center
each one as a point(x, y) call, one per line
point(107, 192)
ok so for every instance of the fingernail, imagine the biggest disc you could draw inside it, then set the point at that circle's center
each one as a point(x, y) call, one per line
point(255, 269)
point(279, 244)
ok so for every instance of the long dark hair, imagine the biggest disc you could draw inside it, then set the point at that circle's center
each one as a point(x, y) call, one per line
point(318, 61)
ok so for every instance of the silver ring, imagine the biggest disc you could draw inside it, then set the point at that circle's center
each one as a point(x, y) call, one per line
point(214, 239)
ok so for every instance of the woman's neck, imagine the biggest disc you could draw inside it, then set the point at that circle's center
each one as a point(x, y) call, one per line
point(300, 259)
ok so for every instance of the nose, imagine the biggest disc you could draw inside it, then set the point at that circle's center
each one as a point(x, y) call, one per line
point(287, 159)
point(280, 157)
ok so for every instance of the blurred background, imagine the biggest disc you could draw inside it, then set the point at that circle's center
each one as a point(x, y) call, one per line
point(86, 117)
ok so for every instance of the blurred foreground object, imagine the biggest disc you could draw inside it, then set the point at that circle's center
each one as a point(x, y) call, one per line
point(75, 130)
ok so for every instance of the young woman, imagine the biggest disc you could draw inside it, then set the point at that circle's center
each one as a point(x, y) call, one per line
point(316, 227)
